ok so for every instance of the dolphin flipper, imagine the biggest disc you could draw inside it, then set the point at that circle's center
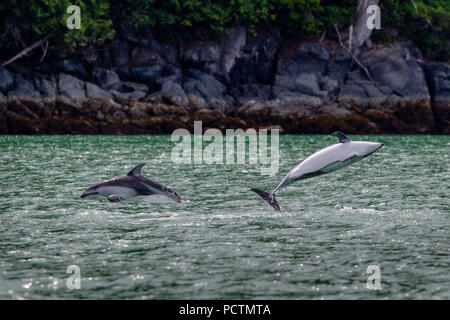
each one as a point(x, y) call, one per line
point(342, 138)
point(114, 198)
point(268, 197)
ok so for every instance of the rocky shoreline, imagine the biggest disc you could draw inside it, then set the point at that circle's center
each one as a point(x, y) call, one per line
point(141, 86)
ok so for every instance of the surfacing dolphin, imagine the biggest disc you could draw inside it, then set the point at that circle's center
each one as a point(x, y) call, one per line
point(324, 161)
point(131, 185)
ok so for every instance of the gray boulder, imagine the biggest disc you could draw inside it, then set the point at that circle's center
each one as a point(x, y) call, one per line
point(71, 66)
point(70, 86)
point(299, 71)
point(105, 78)
point(94, 91)
point(339, 65)
point(146, 74)
point(47, 85)
point(398, 69)
point(173, 93)
point(170, 74)
point(129, 86)
point(204, 84)
point(204, 58)
point(307, 83)
point(6, 80)
point(23, 88)
point(207, 87)
point(126, 97)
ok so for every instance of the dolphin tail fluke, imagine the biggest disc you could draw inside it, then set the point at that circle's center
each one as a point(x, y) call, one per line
point(268, 197)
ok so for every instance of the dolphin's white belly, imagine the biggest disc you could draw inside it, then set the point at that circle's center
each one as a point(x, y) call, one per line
point(323, 158)
point(122, 192)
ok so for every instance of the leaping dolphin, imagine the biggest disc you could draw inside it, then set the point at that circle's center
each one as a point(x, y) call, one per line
point(131, 185)
point(324, 161)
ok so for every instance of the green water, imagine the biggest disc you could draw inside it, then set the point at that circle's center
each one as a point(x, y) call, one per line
point(390, 210)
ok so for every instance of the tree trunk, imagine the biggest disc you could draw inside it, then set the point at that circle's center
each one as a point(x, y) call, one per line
point(361, 33)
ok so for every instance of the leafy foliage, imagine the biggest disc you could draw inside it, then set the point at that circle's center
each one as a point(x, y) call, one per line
point(27, 21)
point(426, 22)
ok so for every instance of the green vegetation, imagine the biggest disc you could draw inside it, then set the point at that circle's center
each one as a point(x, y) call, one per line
point(426, 22)
point(23, 22)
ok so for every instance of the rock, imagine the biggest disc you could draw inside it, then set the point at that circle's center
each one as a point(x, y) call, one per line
point(197, 102)
point(339, 64)
point(166, 51)
point(126, 97)
point(100, 116)
point(3, 108)
point(398, 69)
point(172, 74)
point(71, 66)
point(120, 53)
point(329, 85)
point(71, 87)
point(308, 84)
point(119, 115)
point(173, 93)
point(6, 80)
point(253, 108)
point(204, 58)
point(410, 47)
point(79, 126)
point(233, 44)
point(314, 51)
point(256, 64)
point(148, 75)
point(105, 78)
point(66, 105)
point(112, 106)
point(23, 88)
point(137, 113)
point(94, 91)
point(145, 56)
point(20, 124)
point(133, 86)
point(438, 75)
point(47, 85)
point(335, 110)
point(253, 91)
point(299, 71)
point(154, 98)
point(32, 108)
point(204, 84)
point(207, 87)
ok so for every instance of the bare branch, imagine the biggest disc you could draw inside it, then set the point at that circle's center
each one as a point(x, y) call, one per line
point(351, 53)
point(45, 50)
point(323, 36)
point(25, 51)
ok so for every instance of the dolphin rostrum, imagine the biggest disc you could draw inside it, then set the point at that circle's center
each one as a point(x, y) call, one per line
point(324, 161)
point(131, 185)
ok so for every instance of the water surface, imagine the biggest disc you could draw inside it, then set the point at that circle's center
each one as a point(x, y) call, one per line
point(390, 210)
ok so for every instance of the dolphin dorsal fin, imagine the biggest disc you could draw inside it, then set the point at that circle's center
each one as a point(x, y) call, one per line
point(342, 138)
point(136, 172)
